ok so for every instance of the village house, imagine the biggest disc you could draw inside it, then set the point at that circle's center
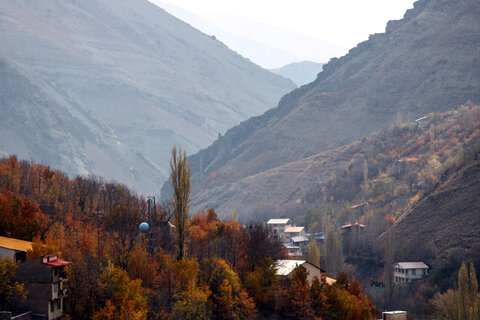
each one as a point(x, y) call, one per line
point(294, 251)
point(405, 272)
point(296, 233)
point(43, 279)
point(14, 249)
point(292, 237)
point(394, 315)
point(277, 226)
point(286, 267)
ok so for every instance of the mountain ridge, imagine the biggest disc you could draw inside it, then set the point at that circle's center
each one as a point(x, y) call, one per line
point(418, 66)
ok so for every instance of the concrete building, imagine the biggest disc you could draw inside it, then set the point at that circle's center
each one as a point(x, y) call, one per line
point(14, 249)
point(292, 232)
point(43, 278)
point(394, 315)
point(278, 228)
point(405, 272)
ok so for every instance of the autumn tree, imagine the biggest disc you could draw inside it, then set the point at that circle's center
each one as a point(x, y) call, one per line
point(298, 294)
point(180, 172)
point(8, 286)
point(319, 299)
point(258, 245)
point(125, 296)
point(463, 303)
point(262, 285)
point(229, 299)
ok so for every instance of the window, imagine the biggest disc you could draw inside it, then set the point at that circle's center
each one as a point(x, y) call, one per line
point(414, 272)
point(55, 287)
point(52, 306)
point(55, 271)
point(59, 304)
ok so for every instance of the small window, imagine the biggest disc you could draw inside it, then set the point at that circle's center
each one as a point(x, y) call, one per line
point(52, 306)
point(55, 271)
point(414, 272)
point(59, 304)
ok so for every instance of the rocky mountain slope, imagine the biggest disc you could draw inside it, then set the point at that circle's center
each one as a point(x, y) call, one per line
point(426, 62)
point(300, 72)
point(446, 218)
point(400, 167)
point(39, 123)
point(150, 80)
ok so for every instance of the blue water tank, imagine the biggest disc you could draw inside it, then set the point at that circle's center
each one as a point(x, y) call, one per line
point(144, 227)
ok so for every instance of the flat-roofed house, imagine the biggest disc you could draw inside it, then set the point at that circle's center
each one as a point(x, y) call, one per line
point(295, 232)
point(405, 272)
point(14, 249)
point(285, 268)
point(278, 228)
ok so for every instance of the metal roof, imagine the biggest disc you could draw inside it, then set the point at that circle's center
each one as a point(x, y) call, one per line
point(15, 244)
point(278, 221)
point(285, 267)
point(411, 265)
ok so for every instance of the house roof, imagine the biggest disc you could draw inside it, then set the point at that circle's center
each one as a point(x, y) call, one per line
point(349, 225)
point(57, 262)
point(15, 244)
point(299, 239)
point(411, 265)
point(293, 229)
point(285, 267)
point(278, 221)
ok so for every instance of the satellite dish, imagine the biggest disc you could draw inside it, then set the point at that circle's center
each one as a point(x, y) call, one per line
point(144, 227)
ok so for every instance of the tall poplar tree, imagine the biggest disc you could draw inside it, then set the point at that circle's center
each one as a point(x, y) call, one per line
point(180, 168)
point(314, 253)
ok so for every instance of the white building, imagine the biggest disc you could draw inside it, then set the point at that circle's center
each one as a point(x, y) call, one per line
point(278, 228)
point(405, 272)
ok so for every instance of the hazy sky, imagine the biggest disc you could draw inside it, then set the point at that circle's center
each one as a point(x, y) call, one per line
point(273, 33)
point(342, 22)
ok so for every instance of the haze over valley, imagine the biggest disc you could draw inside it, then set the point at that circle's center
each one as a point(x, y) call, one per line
point(233, 160)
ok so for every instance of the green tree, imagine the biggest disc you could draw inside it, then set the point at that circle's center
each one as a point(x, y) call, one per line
point(8, 286)
point(180, 168)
